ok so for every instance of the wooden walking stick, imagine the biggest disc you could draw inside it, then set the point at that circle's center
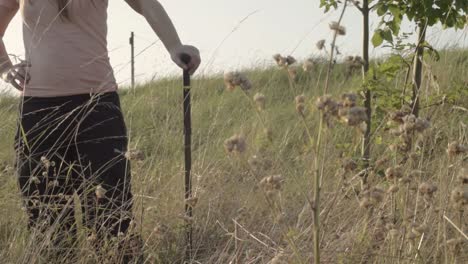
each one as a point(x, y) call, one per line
point(188, 157)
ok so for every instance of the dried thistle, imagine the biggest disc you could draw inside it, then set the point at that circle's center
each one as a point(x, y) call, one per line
point(339, 29)
point(455, 148)
point(320, 44)
point(459, 197)
point(393, 173)
point(300, 108)
point(290, 60)
point(355, 116)
point(349, 99)
point(349, 165)
point(135, 154)
point(235, 143)
point(192, 201)
point(272, 183)
point(426, 188)
point(234, 79)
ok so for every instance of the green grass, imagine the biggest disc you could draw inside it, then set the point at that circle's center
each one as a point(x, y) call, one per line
point(228, 188)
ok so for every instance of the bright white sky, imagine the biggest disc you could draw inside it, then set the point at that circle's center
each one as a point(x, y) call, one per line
point(274, 26)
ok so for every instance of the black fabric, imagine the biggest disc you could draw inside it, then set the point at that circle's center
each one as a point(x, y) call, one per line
point(74, 144)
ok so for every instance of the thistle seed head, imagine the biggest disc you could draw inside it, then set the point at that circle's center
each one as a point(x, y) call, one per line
point(320, 44)
point(355, 116)
point(300, 99)
point(427, 188)
point(393, 173)
point(349, 99)
point(135, 154)
point(339, 29)
point(455, 148)
point(349, 165)
point(234, 79)
point(235, 143)
point(290, 60)
point(192, 202)
point(300, 108)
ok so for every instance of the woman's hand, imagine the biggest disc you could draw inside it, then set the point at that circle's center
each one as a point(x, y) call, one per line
point(17, 75)
point(192, 66)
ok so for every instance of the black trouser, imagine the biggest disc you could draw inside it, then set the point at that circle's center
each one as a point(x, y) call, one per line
point(74, 144)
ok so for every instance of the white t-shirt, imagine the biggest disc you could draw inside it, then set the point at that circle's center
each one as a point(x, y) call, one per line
point(67, 57)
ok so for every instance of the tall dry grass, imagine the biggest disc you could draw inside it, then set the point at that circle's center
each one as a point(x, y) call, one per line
point(254, 165)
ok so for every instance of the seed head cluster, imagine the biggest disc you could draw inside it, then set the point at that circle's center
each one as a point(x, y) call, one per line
point(234, 79)
point(235, 143)
point(345, 110)
point(284, 61)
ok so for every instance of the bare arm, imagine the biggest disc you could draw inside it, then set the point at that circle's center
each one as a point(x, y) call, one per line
point(162, 25)
point(6, 15)
point(16, 75)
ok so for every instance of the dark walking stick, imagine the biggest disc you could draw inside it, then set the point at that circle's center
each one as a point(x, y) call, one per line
point(188, 157)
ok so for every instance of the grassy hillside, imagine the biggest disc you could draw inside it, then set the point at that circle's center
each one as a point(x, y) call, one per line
point(239, 220)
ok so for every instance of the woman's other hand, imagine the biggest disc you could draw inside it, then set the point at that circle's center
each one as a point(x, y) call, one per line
point(195, 60)
point(17, 75)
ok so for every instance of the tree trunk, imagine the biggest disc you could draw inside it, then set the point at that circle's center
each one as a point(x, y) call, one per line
point(417, 69)
point(368, 100)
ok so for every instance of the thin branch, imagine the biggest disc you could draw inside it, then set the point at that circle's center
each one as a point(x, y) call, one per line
point(357, 6)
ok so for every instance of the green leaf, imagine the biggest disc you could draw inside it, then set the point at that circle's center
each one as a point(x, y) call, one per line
point(387, 35)
point(377, 39)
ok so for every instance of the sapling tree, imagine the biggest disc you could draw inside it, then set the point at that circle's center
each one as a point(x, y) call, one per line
point(424, 13)
point(364, 8)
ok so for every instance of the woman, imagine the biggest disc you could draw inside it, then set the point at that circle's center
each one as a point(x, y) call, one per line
point(71, 134)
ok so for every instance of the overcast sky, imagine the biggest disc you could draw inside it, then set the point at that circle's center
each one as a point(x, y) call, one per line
point(226, 43)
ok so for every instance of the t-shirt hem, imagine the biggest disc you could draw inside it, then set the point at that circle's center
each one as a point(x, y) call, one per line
point(32, 93)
